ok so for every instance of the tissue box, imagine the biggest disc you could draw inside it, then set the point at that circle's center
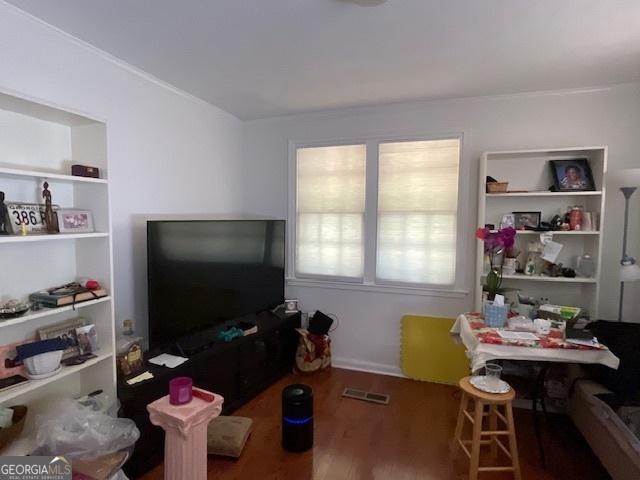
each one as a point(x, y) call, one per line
point(495, 316)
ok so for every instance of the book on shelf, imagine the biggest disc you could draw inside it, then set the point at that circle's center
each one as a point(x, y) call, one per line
point(69, 294)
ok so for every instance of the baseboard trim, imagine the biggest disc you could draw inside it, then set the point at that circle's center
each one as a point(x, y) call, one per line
point(369, 367)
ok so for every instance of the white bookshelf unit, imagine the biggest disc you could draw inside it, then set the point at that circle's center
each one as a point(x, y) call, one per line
point(529, 176)
point(40, 142)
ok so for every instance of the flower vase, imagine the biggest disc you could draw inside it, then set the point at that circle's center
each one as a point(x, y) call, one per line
point(492, 282)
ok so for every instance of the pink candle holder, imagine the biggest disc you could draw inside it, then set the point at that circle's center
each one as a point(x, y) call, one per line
point(180, 390)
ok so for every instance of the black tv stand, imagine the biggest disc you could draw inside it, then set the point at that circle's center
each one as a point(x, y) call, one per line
point(195, 342)
point(202, 339)
point(237, 370)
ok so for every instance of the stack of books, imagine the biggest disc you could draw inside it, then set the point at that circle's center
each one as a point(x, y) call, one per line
point(68, 294)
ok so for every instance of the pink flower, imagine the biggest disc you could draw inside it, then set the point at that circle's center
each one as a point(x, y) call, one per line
point(482, 233)
point(507, 236)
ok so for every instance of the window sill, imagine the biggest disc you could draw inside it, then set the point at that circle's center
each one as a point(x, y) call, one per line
point(374, 288)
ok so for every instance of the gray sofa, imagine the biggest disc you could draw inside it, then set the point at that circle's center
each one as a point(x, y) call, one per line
point(596, 403)
point(617, 447)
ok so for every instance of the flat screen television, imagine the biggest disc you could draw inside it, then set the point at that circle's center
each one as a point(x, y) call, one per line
point(202, 273)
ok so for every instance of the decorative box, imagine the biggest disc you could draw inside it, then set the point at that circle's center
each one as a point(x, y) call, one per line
point(130, 356)
point(85, 171)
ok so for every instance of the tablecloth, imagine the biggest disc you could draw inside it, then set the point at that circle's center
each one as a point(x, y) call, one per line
point(483, 344)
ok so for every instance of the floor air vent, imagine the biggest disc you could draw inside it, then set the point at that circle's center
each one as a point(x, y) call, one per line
point(380, 398)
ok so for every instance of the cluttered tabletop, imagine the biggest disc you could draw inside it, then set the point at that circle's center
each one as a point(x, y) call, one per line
point(521, 338)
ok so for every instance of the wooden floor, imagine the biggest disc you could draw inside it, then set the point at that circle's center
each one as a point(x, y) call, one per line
point(407, 440)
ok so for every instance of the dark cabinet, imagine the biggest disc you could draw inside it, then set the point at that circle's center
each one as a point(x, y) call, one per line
point(237, 370)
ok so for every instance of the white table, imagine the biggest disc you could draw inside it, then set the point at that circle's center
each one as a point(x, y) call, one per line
point(479, 353)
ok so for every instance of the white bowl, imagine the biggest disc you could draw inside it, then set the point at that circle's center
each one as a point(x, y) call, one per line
point(44, 363)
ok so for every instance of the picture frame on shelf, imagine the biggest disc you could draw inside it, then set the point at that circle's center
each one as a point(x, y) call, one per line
point(87, 339)
point(73, 220)
point(572, 175)
point(508, 220)
point(526, 220)
point(67, 331)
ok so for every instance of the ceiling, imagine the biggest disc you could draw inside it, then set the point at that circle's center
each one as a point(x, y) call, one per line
point(260, 58)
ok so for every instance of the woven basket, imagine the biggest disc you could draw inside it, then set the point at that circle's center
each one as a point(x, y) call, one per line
point(9, 434)
point(497, 187)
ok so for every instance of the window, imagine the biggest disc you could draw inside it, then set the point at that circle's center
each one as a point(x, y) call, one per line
point(330, 201)
point(410, 215)
point(417, 210)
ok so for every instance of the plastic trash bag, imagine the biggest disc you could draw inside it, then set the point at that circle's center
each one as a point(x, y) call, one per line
point(96, 443)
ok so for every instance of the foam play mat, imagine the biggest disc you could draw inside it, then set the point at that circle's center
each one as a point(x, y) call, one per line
point(428, 353)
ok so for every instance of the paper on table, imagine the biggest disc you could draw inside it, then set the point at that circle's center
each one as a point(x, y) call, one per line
point(168, 360)
point(586, 343)
point(508, 335)
point(143, 376)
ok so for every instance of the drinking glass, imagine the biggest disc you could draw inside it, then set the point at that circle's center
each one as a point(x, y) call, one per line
point(493, 372)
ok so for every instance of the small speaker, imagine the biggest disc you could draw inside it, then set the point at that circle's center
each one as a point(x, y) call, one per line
point(297, 418)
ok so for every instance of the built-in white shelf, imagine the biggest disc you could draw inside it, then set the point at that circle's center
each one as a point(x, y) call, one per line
point(41, 144)
point(50, 237)
point(541, 278)
point(14, 172)
point(31, 385)
point(529, 175)
point(593, 193)
point(46, 312)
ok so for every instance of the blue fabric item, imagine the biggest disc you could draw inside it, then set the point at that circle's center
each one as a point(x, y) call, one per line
point(230, 334)
point(29, 350)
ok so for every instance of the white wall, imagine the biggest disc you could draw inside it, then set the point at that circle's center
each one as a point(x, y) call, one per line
point(168, 152)
point(368, 336)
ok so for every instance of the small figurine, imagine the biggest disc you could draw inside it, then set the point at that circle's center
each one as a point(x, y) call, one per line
point(4, 216)
point(24, 229)
point(49, 216)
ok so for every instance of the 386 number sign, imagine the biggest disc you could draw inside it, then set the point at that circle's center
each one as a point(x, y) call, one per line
point(30, 214)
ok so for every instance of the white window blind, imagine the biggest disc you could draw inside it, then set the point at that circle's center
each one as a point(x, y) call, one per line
point(330, 203)
point(417, 211)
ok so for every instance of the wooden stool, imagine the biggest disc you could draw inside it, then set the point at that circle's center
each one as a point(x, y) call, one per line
point(492, 401)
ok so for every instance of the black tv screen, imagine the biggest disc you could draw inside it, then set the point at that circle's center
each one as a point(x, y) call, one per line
point(202, 273)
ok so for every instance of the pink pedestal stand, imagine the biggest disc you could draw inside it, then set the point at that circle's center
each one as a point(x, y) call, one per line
point(185, 426)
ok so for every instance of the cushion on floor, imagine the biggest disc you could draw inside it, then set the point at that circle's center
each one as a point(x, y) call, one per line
point(227, 435)
point(428, 352)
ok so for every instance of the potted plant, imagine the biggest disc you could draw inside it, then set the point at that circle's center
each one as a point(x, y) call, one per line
point(496, 242)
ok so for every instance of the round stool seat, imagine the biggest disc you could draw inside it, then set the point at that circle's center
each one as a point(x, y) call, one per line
point(486, 397)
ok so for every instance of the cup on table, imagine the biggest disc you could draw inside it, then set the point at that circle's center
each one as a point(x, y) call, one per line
point(493, 371)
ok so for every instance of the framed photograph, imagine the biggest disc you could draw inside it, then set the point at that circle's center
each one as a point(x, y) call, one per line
point(87, 339)
point(31, 214)
point(572, 175)
point(67, 332)
point(526, 220)
point(75, 221)
point(508, 220)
